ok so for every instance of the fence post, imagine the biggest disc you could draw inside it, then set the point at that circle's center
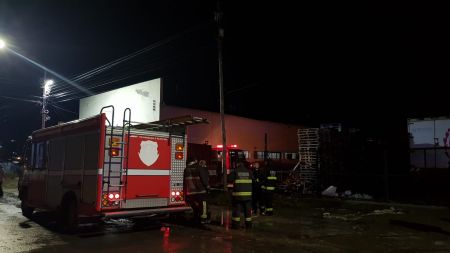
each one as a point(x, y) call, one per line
point(386, 174)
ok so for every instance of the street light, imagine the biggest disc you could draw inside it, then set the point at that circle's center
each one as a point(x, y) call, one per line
point(48, 86)
point(46, 93)
point(2, 44)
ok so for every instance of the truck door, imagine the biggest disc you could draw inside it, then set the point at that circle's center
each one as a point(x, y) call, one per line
point(147, 174)
point(38, 174)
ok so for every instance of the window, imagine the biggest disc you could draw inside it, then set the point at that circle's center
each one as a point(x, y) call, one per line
point(274, 155)
point(246, 154)
point(39, 155)
point(259, 155)
point(270, 155)
point(291, 156)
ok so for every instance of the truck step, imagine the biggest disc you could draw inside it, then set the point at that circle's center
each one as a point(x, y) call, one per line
point(119, 148)
point(113, 185)
point(106, 162)
point(108, 134)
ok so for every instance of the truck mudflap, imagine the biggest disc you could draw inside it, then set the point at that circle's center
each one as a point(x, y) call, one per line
point(144, 212)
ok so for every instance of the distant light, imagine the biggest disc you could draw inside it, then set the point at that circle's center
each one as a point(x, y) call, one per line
point(2, 44)
point(219, 146)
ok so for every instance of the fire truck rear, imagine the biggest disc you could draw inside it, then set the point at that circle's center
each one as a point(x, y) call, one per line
point(91, 167)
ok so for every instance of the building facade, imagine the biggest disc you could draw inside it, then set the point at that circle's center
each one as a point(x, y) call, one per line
point(247, 134)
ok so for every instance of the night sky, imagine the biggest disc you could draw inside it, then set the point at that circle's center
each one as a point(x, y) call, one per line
point(368, 66)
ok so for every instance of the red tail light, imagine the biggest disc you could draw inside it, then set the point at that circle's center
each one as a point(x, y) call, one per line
point(111, 196)
point(177, 193)
point(115, 152)
point(179, 155)
point(173, 193)
point(117, 196)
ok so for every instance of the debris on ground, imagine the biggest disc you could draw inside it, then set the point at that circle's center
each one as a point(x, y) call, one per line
point(360, 196)
point(359, 215)
point(330, 191)
point(391, 210)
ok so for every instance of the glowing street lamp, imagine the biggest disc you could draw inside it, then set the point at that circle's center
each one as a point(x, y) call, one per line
point(46, 93)
point(2, 44)
point(47, 87)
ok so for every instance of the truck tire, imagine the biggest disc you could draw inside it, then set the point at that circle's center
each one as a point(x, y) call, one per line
point(68, 215)
point(27, 211)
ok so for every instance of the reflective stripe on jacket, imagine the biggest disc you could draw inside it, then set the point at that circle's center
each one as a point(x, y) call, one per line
point(270, 183)
point(242, 181)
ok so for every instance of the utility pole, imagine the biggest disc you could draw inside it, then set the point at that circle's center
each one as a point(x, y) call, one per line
point(265, 147)
point(220, 36)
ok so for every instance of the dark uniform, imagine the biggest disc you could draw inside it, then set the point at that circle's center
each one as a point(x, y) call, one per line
point(241, 179)
point(257, 200)
point(195, 192)
point(268, 188)
point(204, 178)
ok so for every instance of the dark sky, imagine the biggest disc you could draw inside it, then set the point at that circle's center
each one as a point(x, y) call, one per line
point(367, 65)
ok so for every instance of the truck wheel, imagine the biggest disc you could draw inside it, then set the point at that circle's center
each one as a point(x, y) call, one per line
point(68, 216)
point(27, 211)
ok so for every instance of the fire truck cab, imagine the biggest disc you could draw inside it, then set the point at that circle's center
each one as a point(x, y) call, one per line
point(91, 167)
point(233, 153)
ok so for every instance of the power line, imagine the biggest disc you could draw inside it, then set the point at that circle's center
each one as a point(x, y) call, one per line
point(129, 68)
point(63, 109)
point(134, 54)
point(243, 88)
point(22, 99)
point(68, 96)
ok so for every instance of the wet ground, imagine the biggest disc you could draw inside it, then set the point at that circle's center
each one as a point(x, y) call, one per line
point(308, 225)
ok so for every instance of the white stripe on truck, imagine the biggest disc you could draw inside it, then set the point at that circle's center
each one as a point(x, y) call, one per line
point(133, 172)
point(136, 172)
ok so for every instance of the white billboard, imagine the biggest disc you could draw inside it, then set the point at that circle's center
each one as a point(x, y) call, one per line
point(143, 99)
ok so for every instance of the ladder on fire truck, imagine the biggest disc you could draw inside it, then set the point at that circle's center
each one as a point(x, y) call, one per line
point(113, 177)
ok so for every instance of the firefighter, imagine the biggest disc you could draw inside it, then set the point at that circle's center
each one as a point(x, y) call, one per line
point(204, 178)
point(195, 190)
point(241, 183)
point(257, 203)
point(2, 176)
point(268, 187)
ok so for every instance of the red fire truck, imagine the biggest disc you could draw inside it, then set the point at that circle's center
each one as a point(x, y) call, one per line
point(232, 155)
point(91, 167)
